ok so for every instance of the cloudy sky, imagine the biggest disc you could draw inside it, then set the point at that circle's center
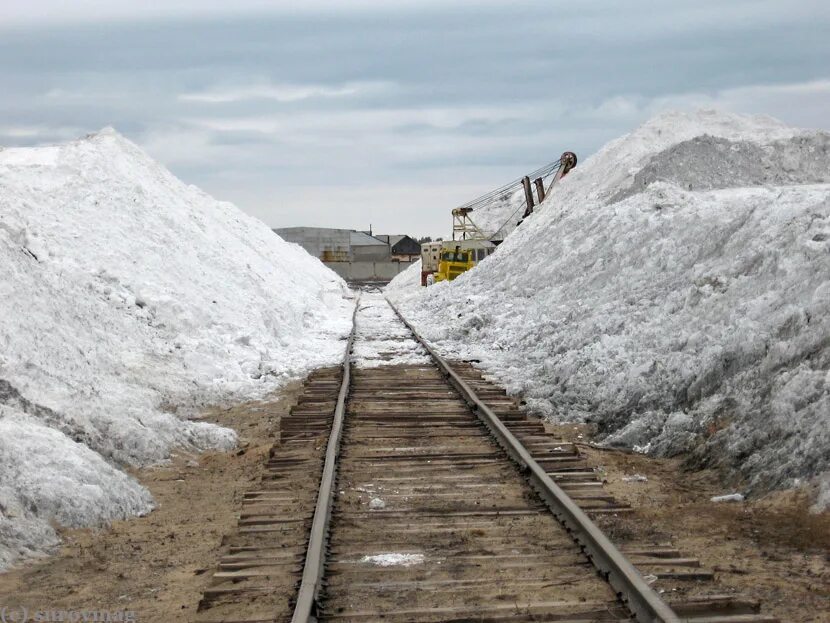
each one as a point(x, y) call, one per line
point(389, 112)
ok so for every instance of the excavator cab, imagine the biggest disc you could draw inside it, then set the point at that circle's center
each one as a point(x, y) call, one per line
point(453, 263)
point(444, 261)
point(455, 256)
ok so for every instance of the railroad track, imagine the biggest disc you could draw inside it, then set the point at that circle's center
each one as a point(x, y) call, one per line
point(396, 493)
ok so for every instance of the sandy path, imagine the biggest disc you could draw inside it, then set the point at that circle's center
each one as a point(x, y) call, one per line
point(157, 566)
point(771, 549)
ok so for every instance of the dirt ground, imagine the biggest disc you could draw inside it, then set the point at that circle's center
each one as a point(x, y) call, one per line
point(157, 566)
point(771, 549)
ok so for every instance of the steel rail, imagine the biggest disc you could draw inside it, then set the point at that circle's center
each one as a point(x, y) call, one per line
point(643, 602)
point(305, 608)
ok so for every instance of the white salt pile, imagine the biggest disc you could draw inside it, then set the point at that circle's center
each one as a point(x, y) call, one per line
point(675, 289)
point(127, 300)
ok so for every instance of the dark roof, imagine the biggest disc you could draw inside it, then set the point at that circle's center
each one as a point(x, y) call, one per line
point(404, 245)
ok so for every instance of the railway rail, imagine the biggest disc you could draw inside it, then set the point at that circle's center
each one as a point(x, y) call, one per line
point(408, 488)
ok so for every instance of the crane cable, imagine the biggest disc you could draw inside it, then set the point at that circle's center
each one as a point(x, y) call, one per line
point(550, 169)
point(542, 172)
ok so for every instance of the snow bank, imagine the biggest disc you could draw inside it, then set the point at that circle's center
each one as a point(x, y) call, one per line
point(405, 282)
point(675, 289)
point(381, 339)
point(128, 300)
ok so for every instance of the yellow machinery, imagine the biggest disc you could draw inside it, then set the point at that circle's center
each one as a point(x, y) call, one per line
point(446, 260)
point(452, 263)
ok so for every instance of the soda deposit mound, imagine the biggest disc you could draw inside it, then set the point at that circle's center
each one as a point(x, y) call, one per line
point(128, 299)
point(675, 290)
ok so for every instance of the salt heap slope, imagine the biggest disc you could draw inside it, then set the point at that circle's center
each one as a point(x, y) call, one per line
point(675, 290)
point(128, 299)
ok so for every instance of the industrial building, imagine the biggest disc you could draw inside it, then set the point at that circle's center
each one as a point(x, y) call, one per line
point(357, 256)
point(402, 247)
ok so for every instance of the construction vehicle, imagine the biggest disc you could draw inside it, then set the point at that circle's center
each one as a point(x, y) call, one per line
point(445, 260)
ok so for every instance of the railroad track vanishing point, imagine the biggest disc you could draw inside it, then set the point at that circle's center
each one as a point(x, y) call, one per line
point(405, 488)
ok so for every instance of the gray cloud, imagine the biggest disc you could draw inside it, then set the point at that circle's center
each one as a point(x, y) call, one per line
point(393, 112)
